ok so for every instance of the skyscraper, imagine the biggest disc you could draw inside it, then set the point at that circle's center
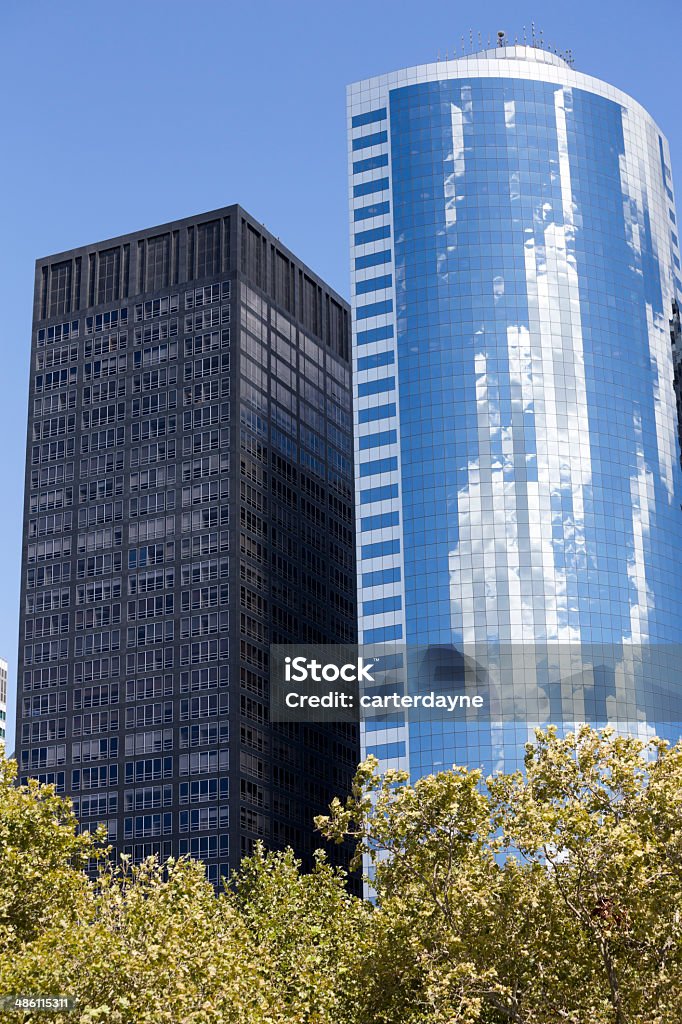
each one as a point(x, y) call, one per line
point(515, 259)
point(188, 502)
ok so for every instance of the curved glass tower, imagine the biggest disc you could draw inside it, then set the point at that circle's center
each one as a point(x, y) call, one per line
point(514, 266)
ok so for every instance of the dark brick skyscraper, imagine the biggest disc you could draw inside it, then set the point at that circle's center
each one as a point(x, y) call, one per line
point(188, 502)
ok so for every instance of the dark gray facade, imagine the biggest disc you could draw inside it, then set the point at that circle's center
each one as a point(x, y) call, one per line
point(188, 502)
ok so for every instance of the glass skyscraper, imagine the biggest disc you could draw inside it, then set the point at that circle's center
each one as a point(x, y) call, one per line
point(515, 264)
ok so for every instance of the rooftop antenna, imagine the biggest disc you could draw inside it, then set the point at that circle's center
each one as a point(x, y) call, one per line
point(500, 37)
point(480, 42)
point(471, 40)
point(462, 44)
point(488, 40)
point(524, 35)
point(532, 29)
point(542, 45)
point(516, 40)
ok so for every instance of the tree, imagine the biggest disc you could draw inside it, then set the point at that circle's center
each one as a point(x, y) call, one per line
point(153, 943)
point(312, 935)
point(538, 897)
point(153, 946)
point(601, 815)
point(552, 896)
point(41, 859)
point(447, 913)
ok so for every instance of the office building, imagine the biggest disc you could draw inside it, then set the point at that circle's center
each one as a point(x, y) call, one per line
point(515, 260)
point(188, 503)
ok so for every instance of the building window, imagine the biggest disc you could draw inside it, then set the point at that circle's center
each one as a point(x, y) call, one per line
point(158, 262)
point(208, 249)
point(60, 288)
point(108, 275)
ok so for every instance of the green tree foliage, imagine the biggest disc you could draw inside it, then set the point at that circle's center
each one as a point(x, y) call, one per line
point(537, 898)
point(551, 896)
point(311, 935)
point(153, 944)
point(604, 825)
point(41, 857)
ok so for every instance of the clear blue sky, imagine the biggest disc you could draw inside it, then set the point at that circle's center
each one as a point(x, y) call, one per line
point(117, 116)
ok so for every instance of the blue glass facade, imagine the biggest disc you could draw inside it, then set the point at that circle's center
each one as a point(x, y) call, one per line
point(515, 261)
